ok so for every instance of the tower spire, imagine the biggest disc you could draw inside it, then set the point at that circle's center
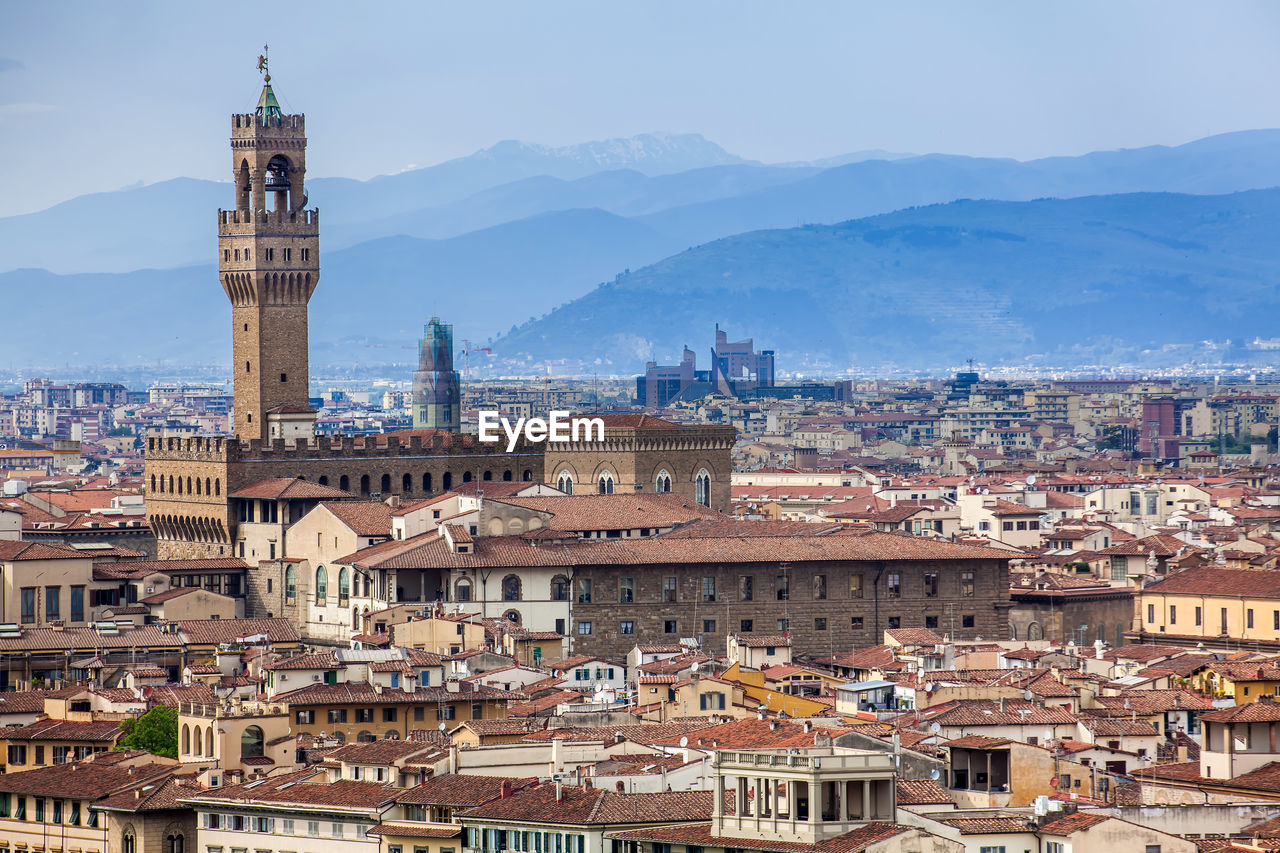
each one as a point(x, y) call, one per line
point(268, 109)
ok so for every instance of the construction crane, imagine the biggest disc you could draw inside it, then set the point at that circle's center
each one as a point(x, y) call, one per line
point(467, 349)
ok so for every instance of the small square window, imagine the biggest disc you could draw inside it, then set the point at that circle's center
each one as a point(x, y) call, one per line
point(820, 623)
point(895, 622)
point(967, 620)
point(745, 626)
point(855, 622)
point(669, 626)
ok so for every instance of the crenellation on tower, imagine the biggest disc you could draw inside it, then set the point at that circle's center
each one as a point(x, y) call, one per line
point(269, 264)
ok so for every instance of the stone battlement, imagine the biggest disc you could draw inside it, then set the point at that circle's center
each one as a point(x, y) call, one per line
point(325, 448)
point(248, 124)
point(266, 222)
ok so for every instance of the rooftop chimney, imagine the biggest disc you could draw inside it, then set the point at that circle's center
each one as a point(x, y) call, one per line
point(559, 792)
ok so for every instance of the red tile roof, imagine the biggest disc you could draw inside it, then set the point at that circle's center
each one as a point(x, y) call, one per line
point(288, 488)
point(218, 631)
point(365, 518)
point(699, 835)
point(306, 787)
point(1253, 712)
point(594, 807)
point(462, 791)
point(919, 792)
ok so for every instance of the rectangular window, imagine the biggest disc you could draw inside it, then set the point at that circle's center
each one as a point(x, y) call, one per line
point(584, 590)
point(305, 718)
point(445, 712)
point(855, 586)
point(895, 585)
point(364, 715)
point(819, 623)
point(1008, 526)
point(967, 620)
point(966, 584)
point(28, 605)
point(77, 604)
point(931, 621)
point(584, 628)
point(1053, 847)
point(1222, 616)
point(626, 626)
point(855, 622)
point(784, 624)
point(477, 710)
point(745, 626)
point(1200, 618)
point(1173, 615)
point(337, 715)
point(783, 587)
point(17, 754)
point(930, 584)
point(895, 622)
point(626, 590)
point(1248, 618)
point(708, 626)
point(668, 589)
point(669, 626)
point(53, 602)
point(313, 827)
point(1119, 568)
point(819, 587)
point(389, 714)
point(746, 588)
point(1151, 613)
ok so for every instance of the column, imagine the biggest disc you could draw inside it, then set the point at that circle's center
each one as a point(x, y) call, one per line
point(815, 801)
point(866, 799)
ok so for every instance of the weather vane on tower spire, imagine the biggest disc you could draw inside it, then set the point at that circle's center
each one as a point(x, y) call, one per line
point(263, 64)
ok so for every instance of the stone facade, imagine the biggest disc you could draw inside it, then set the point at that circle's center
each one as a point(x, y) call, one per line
point(151, 831)
point(830, 623)
point(639, 450)
point(201, 524)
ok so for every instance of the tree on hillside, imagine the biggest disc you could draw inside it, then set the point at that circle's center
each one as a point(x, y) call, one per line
point(155, 731)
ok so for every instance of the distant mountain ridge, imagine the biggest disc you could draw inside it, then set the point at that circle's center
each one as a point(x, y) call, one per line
point(686, 187)
point(1136, 278)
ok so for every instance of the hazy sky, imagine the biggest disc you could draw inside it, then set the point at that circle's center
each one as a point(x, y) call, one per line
point(95, 96)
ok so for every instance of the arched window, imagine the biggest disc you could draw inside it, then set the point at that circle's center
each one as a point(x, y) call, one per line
point(344, 586)
point(426, 482)
point(385, 483)
point(252, 742)
point(207, 484)
point(175, 843)
point(392, 735)
point(1035, 632)
point(702, 487)
point(128, 841)
point(527, 476)
point(188, 485)
point(290, 584)
point(565, 482)
point(663, 481)
point(355, 619)
point(364, 484)
point(344, 483)
point(446, 482)
point(170, 484)
point(511, 588)
point(365, 736)
point(186, 739)
point(153, 482)
point(466, 476)
point(179, 485)
point(217, 487)
point(605, 484)
point(208, 742)
point(462, 590)
point(199, 744)
point(487, 476)
point(198, 491)
point(512, 616)
point(559, 588)
point(322, 480)
point(322, 586)
point(506, 476)
point(406, 483)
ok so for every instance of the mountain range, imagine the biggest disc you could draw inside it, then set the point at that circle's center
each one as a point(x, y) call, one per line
point(521, 235)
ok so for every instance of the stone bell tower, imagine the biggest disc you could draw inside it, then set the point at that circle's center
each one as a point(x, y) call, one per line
point(269, 263)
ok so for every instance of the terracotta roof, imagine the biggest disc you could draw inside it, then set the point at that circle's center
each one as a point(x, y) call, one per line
point(978, 742)
point(138, 569)
point(699, 835)
point(615, 512)
point(762, 641)
point(1215, 580)
point(357, 692)
point(1252, 712)
point(647, 733)
point(365, 518)
point(385, 751)
point(306, 787)
point(84, 780)
point(415, 830)
point(312, 660)
point(430, 550)
point(752, 733)
point(152, 797)
point(995, 825)
point(986, 712)
point(462, 791)
point(918, 792)
point(103, 731)
point(288, 488)
point(1067, 824)
point(593, 806)
point(1155, 701)
point(90, 640)
point(915, 637)
point(19, 549)
point(172, 592)
point(172, 695)
point(218, 631)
